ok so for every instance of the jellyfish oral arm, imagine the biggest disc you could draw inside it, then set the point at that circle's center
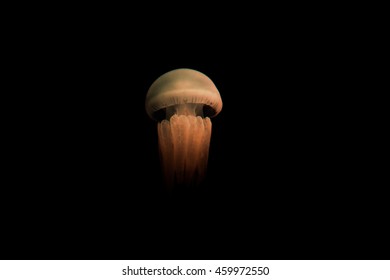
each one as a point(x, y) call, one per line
point(184, 142)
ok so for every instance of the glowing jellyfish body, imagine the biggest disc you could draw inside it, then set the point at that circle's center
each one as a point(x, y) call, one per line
point(182, 101)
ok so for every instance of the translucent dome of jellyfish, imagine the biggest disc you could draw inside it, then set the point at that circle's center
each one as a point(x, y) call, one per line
point(182, 101)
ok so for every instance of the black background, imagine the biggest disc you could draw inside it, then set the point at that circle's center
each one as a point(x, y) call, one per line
point(285, 180)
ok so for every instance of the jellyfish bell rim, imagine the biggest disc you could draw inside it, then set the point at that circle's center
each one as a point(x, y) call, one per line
point(212, 102)
point(182, 86)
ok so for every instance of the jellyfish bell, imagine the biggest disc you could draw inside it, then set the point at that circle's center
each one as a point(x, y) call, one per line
point(182, 101)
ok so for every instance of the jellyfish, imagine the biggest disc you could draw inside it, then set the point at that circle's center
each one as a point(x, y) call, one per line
point(182, 101)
